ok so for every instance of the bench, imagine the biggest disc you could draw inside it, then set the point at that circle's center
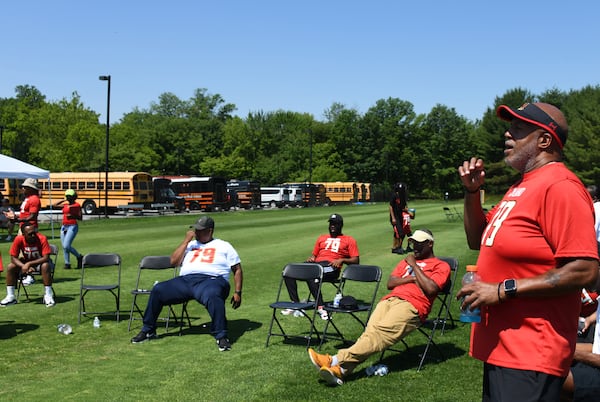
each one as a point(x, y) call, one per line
point(162, 207)
point(136, 209)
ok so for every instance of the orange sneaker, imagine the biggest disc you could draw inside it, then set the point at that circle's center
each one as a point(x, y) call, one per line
point(319, 360)
point(331, 375)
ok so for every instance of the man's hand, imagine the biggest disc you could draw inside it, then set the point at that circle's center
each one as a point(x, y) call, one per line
point(472, 174)
point(236, 300)
point(478, 294)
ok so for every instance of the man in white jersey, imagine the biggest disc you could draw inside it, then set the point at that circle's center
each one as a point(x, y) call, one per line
point(204, 276)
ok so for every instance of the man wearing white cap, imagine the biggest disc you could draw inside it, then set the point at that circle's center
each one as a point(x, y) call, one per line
point(414, 285)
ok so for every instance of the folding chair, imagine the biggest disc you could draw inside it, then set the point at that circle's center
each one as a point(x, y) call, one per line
point(444, 297)
point(52, 261)
point(152, 264)
point(100, 272)
point(458, 213)
point(352, 276)
point(450, 216)
point(301, 272)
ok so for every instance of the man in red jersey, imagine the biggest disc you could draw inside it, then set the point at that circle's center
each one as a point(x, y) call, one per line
point(30, 252)
point(537, 251)
point(414, 285)
point(331, 251)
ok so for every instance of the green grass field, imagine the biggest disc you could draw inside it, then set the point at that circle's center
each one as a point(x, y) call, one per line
point(101, 364)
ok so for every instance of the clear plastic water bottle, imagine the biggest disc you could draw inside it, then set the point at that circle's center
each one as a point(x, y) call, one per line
point(382, 370)
point(96, 322)
point(468, 315)
point(371, 370)
point(336, 299)
point(64, 329)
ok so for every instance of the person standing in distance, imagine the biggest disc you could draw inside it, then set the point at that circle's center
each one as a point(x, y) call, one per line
point(399, 218)
point(537, 251)
point(70, 227)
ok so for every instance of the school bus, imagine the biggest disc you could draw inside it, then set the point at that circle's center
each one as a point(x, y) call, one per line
point(202, 193)
point(11, 189)
point(124, 188)
point(244, 194)
point(346, 192)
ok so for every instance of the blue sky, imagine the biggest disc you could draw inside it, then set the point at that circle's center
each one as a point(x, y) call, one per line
point(298, 55)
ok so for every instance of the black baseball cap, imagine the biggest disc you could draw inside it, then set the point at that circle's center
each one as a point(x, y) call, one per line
point(206, 222)
point(336, 218)
point(543, 115)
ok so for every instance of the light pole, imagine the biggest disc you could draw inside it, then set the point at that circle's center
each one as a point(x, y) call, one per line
point(106, 78)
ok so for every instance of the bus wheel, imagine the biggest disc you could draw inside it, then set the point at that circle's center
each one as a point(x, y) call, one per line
point(194, 206)
point(89, 207)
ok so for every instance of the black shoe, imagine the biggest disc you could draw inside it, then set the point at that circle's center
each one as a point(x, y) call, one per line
point(398, 250)
point(223, 344)
point(67, 266)
point(144, 336)
point(408, 250)
point(79, 262)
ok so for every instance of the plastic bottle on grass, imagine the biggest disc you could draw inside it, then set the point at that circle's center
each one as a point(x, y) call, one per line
point(96, 322)
point(468, 315)
point(65, 329)
point(377, 369)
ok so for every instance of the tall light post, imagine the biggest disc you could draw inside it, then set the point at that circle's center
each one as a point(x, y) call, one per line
point(106, 78)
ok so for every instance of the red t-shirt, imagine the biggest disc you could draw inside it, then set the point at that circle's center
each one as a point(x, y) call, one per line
point(30, 251)
point(546, 216)
point(30, 206)
point(73, 210)
point(329, 248)
point(435, 269)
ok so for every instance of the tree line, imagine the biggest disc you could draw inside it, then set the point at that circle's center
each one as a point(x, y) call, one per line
point(201, 136)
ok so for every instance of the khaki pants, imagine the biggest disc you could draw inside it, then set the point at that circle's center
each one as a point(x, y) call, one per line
point(391, 320)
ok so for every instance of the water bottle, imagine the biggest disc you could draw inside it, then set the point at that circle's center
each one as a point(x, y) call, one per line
point(65, 329)
point(96, 322)
point(336, 299)
point(468, 315)
point(378, 370)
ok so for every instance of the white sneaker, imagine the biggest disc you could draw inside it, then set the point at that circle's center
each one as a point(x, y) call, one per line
point(8, 238)
point(323, 313)
point(8, 300)
point(298, 313)
point(49, 300)
point(287, 311)
point(28, 280)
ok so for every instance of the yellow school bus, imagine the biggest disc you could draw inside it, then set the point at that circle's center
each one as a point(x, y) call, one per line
point(345, 192)
point(124, 188)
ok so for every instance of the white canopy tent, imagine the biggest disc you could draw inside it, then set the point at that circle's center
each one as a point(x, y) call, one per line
point(12, 168)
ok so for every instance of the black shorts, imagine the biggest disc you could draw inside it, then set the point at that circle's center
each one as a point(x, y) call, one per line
point(506, 384)
point(587, 382)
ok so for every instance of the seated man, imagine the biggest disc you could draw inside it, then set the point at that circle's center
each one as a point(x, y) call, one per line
point(5, 222)
point(583, 381)
point(29, 252)
point(414, 285)
point(331, 251)
point(204, 275)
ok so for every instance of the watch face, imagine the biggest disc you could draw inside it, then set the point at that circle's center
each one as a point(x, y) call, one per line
point(510, 286)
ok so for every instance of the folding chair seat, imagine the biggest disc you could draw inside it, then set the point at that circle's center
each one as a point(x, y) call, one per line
point(52, 261)
point(458, 213)
point(444, 299)
point(353, 277)
point(100, 272)
point(300, 272)
point(150, 270)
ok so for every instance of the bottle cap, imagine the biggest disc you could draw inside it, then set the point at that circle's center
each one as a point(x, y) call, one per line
point(471, 268)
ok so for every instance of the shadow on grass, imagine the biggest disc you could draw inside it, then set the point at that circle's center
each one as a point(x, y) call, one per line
point(236, 329)
point(10, 329)
point(398, 360)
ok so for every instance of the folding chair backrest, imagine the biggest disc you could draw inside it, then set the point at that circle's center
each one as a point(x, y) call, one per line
point(453, 262)
point(362, 273)
point(101, 260)
point(303, 271)
point(156, 262)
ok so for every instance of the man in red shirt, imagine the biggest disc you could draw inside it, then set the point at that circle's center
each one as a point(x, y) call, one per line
point(537, 251)
point(29, 252)
point(414, 285)
point(331, 251)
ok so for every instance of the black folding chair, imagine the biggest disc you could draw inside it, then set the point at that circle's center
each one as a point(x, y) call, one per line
point(301, 272)
point(352, 276)
point(450, 215)
point(444, 298)
point(38, 272)
point(100, 272)
point(151, 269)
